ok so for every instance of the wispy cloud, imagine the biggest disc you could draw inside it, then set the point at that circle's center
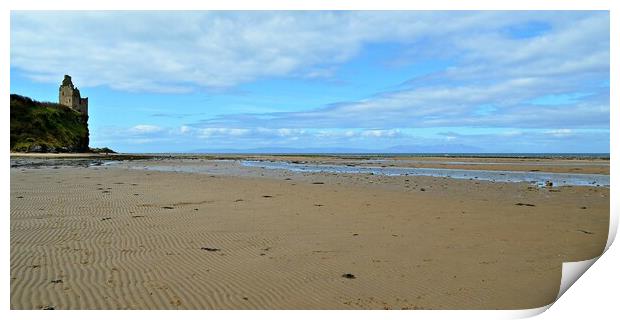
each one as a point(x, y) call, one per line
point(187, 138)
point(566, 66)
point(144, 129)
point(180, 51)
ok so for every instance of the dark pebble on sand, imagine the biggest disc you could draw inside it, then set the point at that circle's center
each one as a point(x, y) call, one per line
point(422, 189)
point(267, 196)
point(209, 249)
point(583, 208)
point(104, 219)
point(585, 231)
point(318, 182)
point(167, 207)
point(57, 281)
point(525, 204)
point(348, 276)
point(20, 197)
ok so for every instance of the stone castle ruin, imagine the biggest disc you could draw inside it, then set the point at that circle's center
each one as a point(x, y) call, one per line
point(69, 95)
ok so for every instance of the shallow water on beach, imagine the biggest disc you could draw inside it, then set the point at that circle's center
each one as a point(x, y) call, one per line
point(242, 167)
point(538, 178)
point(555, 164)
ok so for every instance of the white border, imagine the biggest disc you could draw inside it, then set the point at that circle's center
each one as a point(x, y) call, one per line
point(313, 5)
point(594, 295)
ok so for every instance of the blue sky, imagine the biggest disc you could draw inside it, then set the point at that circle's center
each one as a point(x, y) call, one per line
point(413, 81)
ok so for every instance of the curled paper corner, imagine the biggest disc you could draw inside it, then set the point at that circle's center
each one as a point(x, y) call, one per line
point(528, 313)
point(613, 229)
point(571, 271)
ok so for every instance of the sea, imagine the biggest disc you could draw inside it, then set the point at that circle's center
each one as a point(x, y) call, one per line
point(392, 155)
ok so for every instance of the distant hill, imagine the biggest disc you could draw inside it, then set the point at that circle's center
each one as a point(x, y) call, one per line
point(46, 127)
point(445, 148)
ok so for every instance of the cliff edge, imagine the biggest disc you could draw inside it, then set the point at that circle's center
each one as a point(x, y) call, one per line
point(46, 127)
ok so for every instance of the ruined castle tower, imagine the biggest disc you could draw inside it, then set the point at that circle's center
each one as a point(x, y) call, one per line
point(69, 95)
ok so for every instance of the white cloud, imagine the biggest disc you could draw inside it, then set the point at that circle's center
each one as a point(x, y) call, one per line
point(185, 129)
point(218, 132)
point(444, 106)
point(182, 51)
point(380, 133)
point(398, 139)
point(491, 69)
point(560, 132)
point(144, 129)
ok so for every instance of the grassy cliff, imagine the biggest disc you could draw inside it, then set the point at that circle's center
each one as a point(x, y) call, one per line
point(46, 127)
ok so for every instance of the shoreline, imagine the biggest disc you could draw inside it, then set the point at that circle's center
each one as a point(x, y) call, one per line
point(555, 165)
point(356, 156)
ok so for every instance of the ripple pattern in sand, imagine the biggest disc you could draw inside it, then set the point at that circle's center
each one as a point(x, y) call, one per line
point(99, 238)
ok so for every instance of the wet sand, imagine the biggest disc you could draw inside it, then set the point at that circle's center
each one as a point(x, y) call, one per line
point(555, 165)
point(115, 238)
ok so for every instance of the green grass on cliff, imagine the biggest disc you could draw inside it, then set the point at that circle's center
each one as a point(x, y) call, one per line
point(46, 127)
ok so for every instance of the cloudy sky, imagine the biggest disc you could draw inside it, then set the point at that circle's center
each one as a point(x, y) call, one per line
point(417, 81)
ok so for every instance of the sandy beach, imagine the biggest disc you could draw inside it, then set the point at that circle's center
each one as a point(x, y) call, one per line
point(113, 237)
